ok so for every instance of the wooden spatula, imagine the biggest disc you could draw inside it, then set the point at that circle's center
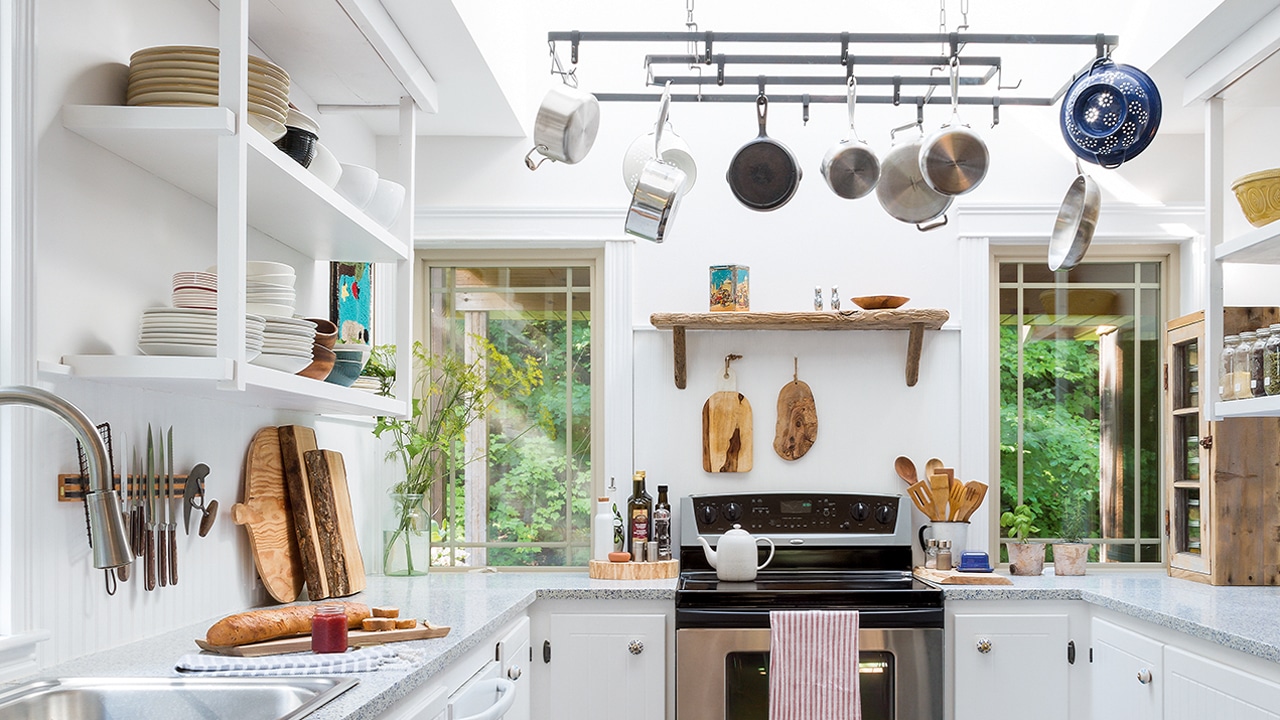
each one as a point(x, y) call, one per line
point(922, 496)
point(941, 489)
point(955, 498)
point(974, 492)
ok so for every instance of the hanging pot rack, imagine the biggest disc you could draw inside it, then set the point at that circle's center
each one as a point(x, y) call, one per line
point(705, 55)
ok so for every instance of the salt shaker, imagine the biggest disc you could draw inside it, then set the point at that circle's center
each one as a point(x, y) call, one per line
point(944, 555)
point(931, 555)
point(835, 297)
point(817, 298)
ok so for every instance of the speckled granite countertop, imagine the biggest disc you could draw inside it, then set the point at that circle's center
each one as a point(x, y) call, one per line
point(1241, 618)
point(475, 605)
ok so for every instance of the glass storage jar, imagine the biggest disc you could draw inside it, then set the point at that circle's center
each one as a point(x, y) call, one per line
point(1256, 363)
point(1241, 363)
point(1271, 363)
point(1226, 368)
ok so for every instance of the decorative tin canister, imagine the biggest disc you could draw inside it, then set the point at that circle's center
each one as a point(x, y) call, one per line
point(730, 289)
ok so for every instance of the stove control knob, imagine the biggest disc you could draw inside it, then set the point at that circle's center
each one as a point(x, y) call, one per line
point(884, 514)
point(708, 514)
point(733, 511)
point(860, 511)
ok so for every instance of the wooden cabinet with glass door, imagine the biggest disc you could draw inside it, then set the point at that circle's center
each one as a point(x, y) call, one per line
point(1222, 505)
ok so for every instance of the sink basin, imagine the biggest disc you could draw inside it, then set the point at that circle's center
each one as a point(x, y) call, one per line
point(170, 698)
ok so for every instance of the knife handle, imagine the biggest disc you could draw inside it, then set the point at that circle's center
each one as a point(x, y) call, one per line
point(162, 555)
point(149, 555)
point(173, 556)
point(138, 528)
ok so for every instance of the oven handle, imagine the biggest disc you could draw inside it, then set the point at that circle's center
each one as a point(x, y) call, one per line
point(727, 618)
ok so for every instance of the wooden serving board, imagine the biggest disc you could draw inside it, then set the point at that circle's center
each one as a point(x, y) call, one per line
point(605, 570)
point(335, 524)
point(955, 577)
point(726, 433)
point(797, 427)
point(295, 441)
point(265, 515)
point(302, 643)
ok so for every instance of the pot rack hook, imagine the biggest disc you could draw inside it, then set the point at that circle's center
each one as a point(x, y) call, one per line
point(760, 85)
point(708, 42)
point(804, 102)
point(574, 37)
point(1101, 47)
point(920, 110)
point(720, 71)
point(728, 359)
point(897, 90)
point(1000, 80)
point(568, 78)
point(844, 48)
point(995, 111)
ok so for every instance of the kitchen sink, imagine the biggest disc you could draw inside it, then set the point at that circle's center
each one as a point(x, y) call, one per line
point(170, 698)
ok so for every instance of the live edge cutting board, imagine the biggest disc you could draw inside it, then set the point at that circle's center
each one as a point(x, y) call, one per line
point(726, 429)
point(265, 515)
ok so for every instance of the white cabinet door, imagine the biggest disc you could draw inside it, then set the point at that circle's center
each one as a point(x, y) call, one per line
point(1005, 664)
point(513, 652)
point(610, 666)
point(1196, 689)
point(1127, 674)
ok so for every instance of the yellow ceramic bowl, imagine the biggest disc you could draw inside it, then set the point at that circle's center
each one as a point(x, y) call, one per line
point(1259, 196)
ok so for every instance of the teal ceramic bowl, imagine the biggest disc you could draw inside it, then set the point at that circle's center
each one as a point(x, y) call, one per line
point(344, 372)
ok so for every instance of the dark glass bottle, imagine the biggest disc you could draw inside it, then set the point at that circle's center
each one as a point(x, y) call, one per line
point(639, 513)
point(662, 524)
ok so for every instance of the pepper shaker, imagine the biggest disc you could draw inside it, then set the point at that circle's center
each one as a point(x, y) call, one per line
point(835, 297)
point(817, 298)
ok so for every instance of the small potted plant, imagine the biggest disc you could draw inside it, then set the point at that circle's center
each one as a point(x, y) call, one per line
point(1071, 555)
point(1025, 558)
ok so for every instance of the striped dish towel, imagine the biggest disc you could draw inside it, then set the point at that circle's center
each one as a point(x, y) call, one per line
point(813, 665)
point(365, 659)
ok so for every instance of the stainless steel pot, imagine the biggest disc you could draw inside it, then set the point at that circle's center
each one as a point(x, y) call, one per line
point(954, 159)
point(657, 193)
point(566, 126)
point(902, 190)
point(763, 174)
point(851, 167)
point(1074, 226)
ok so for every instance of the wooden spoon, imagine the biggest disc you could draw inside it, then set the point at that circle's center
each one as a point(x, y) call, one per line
point(932, 467)
point(906, 469)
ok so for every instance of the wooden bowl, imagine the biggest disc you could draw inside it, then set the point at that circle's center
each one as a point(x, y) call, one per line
point(326, 332)
point(1259, 196)
point(880, 302)
point(322, 359)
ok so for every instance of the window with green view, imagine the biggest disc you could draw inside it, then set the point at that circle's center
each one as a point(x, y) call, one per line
point(526, 500)
point(1080, 359)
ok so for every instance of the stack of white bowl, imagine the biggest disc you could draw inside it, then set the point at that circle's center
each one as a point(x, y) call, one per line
point(287, 344)
point(192, 332)
point(379, 198)
point(269, 289)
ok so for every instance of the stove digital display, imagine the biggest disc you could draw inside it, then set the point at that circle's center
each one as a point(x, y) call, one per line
point(795, 507)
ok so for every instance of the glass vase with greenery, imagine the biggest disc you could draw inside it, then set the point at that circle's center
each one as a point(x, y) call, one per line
point(450, 394)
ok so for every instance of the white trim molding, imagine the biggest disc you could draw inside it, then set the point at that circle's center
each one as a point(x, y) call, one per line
point(518, 227)
point(18, 654)
point(1117, 223)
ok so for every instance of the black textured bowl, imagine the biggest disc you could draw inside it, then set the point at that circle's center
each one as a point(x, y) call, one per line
point(299, 144)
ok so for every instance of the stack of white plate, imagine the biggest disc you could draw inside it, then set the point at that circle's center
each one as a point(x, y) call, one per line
point(195, 289)
point(367, 382)
point(188, 75)
point(286, 344)
point(192, 332)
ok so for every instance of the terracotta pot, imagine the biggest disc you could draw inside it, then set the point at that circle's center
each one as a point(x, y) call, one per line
point(1070, 558)
point(1026, 558)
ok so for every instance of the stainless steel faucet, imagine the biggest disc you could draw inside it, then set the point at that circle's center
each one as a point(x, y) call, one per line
point(106, 523)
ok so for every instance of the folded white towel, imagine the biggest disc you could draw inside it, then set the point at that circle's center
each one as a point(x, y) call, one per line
point(813, 665)
point(365, 659)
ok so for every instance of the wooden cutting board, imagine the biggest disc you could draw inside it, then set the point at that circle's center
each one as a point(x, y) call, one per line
point(797, 427)
point(955, 577)
point(265, 515)
point(335, 524)
point(726, 433)
point(295, 441)
point(302, 643)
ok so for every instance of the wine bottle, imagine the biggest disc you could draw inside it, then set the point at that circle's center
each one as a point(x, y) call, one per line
point(639, 513)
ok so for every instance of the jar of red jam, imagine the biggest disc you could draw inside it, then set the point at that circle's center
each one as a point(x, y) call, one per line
point(329, 629)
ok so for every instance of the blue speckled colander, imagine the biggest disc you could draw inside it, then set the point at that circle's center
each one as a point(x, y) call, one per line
point(1110, 114)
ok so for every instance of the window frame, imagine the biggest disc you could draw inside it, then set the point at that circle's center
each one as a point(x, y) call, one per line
point(1168, 255)
point(591, 258)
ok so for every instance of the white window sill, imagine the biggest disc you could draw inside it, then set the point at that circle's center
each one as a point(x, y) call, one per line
point(18, 654)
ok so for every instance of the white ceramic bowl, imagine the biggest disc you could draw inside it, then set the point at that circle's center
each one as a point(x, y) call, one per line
point(386, 203)
point(256, 268)
point(296, 118)
point(325, 166)
point(357, 184)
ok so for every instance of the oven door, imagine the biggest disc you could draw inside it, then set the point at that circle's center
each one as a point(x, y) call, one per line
point(723, 674)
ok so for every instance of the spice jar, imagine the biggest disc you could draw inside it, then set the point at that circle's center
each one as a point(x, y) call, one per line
point(944, 554)
point(1257, 364)
point(1226, 368)
point(1241, 364)
point(931, 555)
point(1271, 363)
point(329, 629)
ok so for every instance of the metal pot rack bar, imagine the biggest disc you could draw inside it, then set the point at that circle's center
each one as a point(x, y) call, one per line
point(705, 42)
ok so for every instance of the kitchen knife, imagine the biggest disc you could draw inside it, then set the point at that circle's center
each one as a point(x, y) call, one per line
point(122, 572)
point(162, 505)
point(139, 519)
point(171, 528)
point(148, 535)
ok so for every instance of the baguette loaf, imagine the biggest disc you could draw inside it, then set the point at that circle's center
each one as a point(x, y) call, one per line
point(270, 623)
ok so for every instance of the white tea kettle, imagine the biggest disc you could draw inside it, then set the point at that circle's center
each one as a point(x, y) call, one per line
point(735, 558)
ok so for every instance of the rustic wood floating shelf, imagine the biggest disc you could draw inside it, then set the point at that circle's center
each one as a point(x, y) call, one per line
point(915, 321)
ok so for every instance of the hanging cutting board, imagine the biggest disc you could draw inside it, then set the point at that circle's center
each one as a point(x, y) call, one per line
point(265, 515)
point(726, 428)
point(797, 427)
point(335, 524)
point(295, 441)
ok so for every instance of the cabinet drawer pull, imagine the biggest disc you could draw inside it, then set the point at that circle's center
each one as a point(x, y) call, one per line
point(635, 647)
point(1144, 676)
point(514, 673)
point(984, 646)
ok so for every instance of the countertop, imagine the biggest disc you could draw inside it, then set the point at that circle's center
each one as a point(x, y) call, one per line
point(1241, 618)
point(474, 605)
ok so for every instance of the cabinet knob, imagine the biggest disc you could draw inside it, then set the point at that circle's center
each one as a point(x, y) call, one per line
point(984, 646)
point(635, 647)
point(1144, 676)
point(514, 673)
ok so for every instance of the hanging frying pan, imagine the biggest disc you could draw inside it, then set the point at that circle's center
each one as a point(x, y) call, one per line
point(1077, 218)
point(763, 174)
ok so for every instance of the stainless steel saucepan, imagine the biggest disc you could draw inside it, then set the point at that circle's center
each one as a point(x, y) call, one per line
point(566, 126)
point(657, 192)
point(851, 167)
point(954, 159)
point(903, 192)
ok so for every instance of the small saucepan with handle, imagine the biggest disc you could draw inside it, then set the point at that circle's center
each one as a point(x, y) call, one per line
point(566, 126)
point(954, 159)
point(764, 174)
point(657, 193)
point(851, 167)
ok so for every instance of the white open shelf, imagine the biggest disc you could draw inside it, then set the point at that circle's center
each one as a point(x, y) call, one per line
point(206, 377)
point(285, 201)
point(1260, 246)
point(1250, 407)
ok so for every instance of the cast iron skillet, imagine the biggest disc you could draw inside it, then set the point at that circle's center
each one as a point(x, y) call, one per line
point(763, 174)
